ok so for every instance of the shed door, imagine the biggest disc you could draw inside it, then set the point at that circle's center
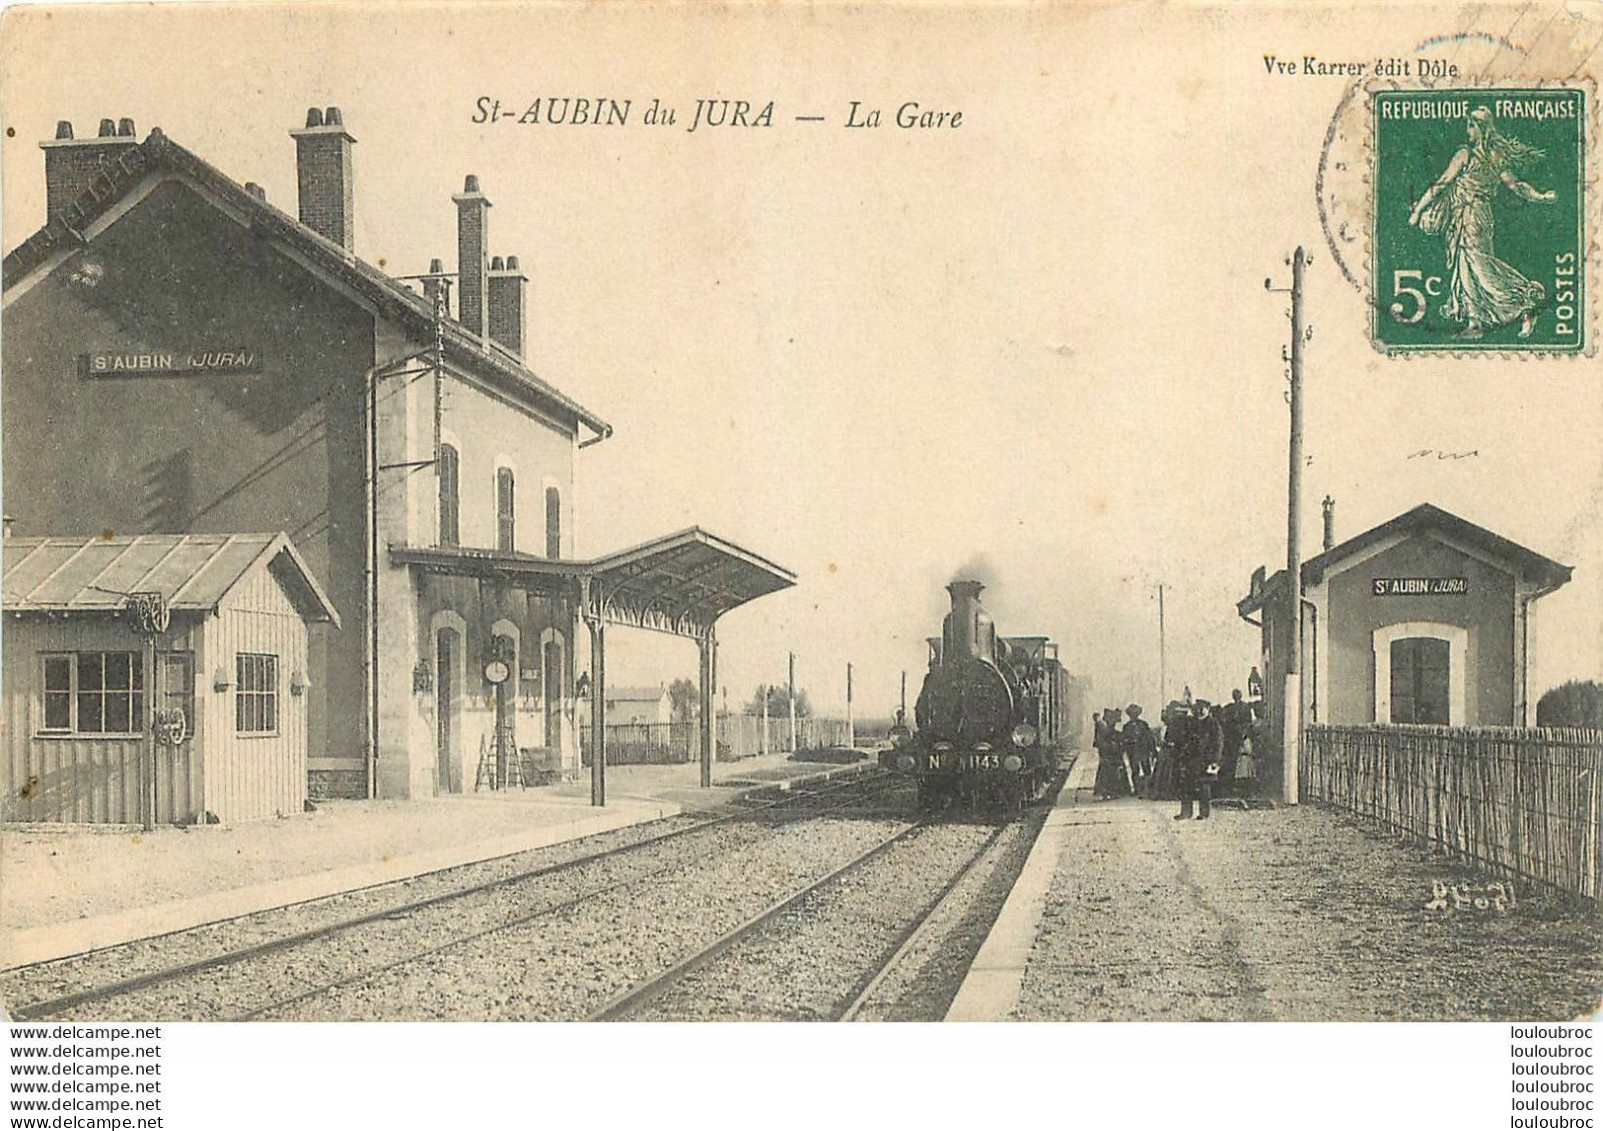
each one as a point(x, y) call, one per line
point(1419, 680)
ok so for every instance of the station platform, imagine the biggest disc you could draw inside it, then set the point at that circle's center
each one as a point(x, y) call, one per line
point(65, 889)
point(1284, 913)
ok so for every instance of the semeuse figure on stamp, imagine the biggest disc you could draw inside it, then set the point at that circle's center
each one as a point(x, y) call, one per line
point(1482, 290)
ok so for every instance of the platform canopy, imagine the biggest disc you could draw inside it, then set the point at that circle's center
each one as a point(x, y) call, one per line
point(679, 584)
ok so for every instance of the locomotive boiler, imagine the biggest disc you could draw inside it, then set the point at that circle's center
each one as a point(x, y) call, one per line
point(988, 716)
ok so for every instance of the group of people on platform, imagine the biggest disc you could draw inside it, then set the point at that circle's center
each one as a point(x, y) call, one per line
point(1200, 752)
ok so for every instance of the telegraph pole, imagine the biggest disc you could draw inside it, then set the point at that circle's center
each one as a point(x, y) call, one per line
point(1292, 710)
point(1163, 656)
point(790, 702)
point(851, 734)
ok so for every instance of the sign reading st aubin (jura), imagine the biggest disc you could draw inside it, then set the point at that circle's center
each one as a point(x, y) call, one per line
point(194, 362)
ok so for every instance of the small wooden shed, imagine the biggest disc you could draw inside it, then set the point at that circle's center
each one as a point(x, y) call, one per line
point(156, 678)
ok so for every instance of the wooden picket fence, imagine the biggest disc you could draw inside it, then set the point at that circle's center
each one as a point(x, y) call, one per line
point(1516, 801)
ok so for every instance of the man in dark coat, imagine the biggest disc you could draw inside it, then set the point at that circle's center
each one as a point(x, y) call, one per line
point(1199, 761)
point(1140, 748)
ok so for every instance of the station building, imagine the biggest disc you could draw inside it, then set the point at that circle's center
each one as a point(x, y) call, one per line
point(182, 357)
point(1424, 619)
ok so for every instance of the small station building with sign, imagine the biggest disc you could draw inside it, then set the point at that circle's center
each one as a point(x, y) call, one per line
point(157, 678)
point(183, 357)
point(1425, 619)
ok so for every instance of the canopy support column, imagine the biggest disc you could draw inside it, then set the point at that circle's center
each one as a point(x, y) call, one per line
point(594, 611)
point(708, 647)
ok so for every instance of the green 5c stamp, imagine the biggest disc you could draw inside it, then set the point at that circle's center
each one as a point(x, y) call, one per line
point(1477, 238)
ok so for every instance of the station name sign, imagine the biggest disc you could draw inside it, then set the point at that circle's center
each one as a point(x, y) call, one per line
point(192, 362)
point(1420, 586)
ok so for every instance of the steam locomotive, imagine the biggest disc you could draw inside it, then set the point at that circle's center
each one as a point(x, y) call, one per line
point(989, 715)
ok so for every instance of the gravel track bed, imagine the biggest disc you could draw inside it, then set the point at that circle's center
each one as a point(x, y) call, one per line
point(237, 989)
point(808, 963)
point(565, 966)
point(1295, 914)
point(926, 980)
point(19, 988)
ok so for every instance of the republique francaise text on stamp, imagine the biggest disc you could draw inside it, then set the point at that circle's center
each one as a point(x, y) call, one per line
point(1478, 225)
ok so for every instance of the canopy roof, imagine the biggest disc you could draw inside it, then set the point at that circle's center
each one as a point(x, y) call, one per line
point(192, 572)
point(680, 583)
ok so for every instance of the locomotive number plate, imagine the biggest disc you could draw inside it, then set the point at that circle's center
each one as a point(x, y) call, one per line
point(963, 762)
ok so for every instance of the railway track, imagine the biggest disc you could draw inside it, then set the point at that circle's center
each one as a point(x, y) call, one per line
point(758, 969)
point(795, 805)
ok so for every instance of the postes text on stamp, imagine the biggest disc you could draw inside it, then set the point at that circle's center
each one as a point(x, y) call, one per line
point(1477, 235)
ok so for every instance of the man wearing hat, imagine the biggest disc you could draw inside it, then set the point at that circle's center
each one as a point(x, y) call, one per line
point(1140, 748)
point(1199, 761)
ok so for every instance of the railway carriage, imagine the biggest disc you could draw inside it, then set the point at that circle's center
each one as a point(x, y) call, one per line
point(989, 714)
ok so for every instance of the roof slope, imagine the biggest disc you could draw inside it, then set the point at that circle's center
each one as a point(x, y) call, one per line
point(119, 177)
point(192, 572)
point(1520, 560)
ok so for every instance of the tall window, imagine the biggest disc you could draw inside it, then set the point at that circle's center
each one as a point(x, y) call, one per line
point(505, 503)
point(1419, 680)
point(449, 469)
point(255, 693)
point(553, 523)
point(94, 693)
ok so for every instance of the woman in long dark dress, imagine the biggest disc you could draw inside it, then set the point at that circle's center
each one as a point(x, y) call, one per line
point(1164, 785)
point(1111, 779)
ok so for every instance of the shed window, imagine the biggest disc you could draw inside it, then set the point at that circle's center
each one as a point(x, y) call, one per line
point(255, 693)
point(449, 467)
point(553, 523)
point(94, 693)
point(505, 504)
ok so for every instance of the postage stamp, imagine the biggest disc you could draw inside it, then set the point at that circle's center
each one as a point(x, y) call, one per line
point(1478, 240)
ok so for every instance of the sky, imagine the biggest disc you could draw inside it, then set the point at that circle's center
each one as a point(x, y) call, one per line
point(1037, 347)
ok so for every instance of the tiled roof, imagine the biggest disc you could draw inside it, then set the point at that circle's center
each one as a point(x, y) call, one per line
point(192, 572)
point(119, 176)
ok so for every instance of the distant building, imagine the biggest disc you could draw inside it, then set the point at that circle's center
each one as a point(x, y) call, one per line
point(639, 705)
point(1422, 619)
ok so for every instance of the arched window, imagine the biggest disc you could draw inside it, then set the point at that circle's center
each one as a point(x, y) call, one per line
point(553, 523)
point(449, 468)
point(505, 510)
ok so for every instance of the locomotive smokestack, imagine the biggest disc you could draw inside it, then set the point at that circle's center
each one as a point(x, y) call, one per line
point(968, 627)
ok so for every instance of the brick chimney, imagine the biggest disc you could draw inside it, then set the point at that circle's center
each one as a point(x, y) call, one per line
point(508, 304)
point(472, 264)
point(323, 175)
point(71, 164)
point(1329, 507)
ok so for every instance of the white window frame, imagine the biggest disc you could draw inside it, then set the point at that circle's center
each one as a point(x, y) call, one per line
point(138, 697)
point(270, 693)
point(1457, 639)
